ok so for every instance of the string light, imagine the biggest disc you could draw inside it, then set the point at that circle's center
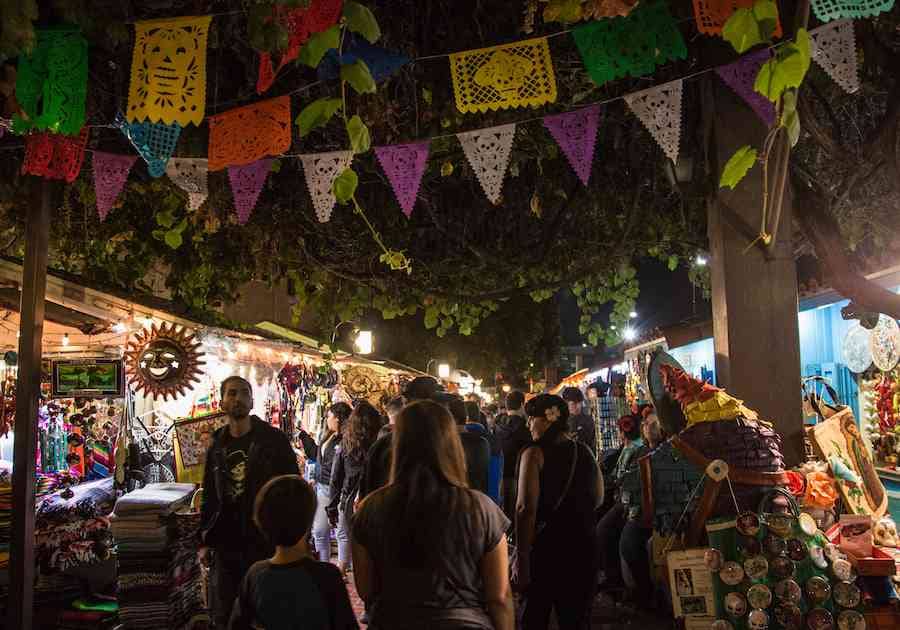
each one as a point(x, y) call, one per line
point(65, 339)
point(632, 314)
point(700, 260)
point(119, 327)
point(148, 320)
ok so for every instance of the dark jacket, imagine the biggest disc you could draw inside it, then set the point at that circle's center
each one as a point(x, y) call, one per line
point(478, 459)
point(378, 463)
point(345, 478)
point(513, 435)
point(584, 430)
point(325, 457)
point(270, 455)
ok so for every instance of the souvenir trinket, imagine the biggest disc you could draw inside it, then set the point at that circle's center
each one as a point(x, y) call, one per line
point(843, 570)
point(817, 554)
point(714, 560)
point(808, 524)
point(789, 616)
point(782, 567)
point(721, 624)
point(788, 592)
point(731, 573)
point(797, 550)
point(748, 524)
point(756, 567)
point(885, 533)
point(758, 620)
point(819, 619)
point(780, 524)
point(759, 596)
point(818, 590)
point(847, 594)
point(736, 605)
point(748, 546)
point(851, 620)
point(775, 546)
point(833, 552)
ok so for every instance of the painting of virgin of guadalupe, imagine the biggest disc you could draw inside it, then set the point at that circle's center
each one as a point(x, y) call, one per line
point(839, 437)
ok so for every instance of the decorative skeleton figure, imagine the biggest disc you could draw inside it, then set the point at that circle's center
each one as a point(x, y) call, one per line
point(886, 533)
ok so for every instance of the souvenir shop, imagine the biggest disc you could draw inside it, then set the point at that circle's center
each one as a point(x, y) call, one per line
point(130, 397)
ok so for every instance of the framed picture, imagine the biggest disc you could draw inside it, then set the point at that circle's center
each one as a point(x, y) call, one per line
point(87, 378)
point(195, 436)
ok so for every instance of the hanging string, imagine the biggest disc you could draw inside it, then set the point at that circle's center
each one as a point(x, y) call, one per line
point(687, 508)
point(737, 509)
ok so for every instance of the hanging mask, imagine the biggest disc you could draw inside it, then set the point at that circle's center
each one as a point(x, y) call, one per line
point(163, 361)
point(885, 532)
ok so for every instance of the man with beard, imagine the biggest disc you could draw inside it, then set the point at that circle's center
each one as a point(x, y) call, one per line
point(244, 455)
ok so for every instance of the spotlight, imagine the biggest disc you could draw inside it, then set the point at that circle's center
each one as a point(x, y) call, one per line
point(630, 334)
point(632, 314)
point(700, 260)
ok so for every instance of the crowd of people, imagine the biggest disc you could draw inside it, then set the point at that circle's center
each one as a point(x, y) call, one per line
point(446, 513)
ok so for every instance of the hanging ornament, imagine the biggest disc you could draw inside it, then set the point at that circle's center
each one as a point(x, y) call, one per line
point(155, 142)
point(300, 23)
point(630, 46)
point(834, 49)
point(711, 15)
point(827, 10)
point(110, 173)
point(856, 349)
point(404, 165)
point(51, 84)
point(321, 169)
point(190, 175)
point(885, 343)
point(382, 63)
point(511, 75)
point(576, 134)
point(246, 134)
point(488, 153)
point(659, 108)
point(54, 156)
point(246, 183)
point(168, 71)
point(740, 77)
point(163, 361)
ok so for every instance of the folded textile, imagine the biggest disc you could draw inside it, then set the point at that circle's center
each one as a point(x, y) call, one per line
point(159, 498)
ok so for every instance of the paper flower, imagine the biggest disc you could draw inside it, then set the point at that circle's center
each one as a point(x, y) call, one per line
point(820, 491)
point(796, 483)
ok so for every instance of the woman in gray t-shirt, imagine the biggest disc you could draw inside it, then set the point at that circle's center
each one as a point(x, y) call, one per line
point(428, 552)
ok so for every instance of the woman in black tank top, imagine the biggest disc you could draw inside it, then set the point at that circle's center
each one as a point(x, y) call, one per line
point(559, 490)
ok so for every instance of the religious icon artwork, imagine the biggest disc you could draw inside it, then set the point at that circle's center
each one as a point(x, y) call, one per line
point(168, 71)
point(839, 437)
point(163, 361)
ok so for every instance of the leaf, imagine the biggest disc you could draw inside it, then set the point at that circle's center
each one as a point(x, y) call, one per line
point(275, 167)
point(566, 11)
point(431, 317)
point(673, 262)
point(345, 186)
point(447, 169)
point(165, 218)
point(426, 96)
point(319, 44)
point(361, 20)
point(766, 14)
point(173, 239)
point(358, 76)
point(786, 69)
point(742, 30)
point(360, 141)
point(317, 114)
point(737, 167)
point(790, 117)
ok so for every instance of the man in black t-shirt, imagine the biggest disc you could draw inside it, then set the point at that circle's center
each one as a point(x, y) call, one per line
point(244, 455)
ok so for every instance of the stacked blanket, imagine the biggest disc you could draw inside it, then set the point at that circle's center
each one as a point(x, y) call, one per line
point(158, 569)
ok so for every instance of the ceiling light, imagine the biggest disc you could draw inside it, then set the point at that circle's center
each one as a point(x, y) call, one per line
point(65, 339)
point(119, 328)
point(630, 334)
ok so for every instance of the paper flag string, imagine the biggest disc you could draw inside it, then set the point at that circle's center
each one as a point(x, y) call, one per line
point(110, 173)
point(300, 23)
point(512, 75)
point(488, 153)
point(190, 175)
point(54, 156)
point(382, 63)
point(827, 10)
point(633, 45)
point(246, 183)
point(404, 164)
point(51, 85)
point(711, 15)
point(168, 71)
point(321, 169)
point(659, 108)
point(834, 49)
point(246, 134)
point(155, 142)
point(740, 77)
point(576, 134)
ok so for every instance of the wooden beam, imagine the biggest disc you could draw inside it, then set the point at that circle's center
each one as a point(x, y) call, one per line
point(28, 391)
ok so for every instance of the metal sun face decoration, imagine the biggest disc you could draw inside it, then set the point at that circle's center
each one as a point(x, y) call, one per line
point(163, 361)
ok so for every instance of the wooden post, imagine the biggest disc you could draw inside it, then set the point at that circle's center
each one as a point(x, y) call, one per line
point(754, 291)
point(28, 390)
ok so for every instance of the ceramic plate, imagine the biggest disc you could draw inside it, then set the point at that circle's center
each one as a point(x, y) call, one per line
point(885, 343)
point(856, 349)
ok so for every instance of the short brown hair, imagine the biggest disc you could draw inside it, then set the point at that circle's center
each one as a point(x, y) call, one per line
point(284, 510)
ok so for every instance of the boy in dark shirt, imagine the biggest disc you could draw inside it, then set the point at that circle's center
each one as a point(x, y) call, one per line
point(291, 590)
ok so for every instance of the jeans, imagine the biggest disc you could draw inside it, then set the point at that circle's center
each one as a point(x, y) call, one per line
point(322, 530)
point(609, 531)
point(633, 548)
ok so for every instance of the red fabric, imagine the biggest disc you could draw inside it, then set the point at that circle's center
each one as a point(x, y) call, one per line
point(301, 24)
point(54, 156)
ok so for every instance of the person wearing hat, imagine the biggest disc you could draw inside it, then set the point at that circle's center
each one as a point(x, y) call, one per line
point(580, 424)
point(560, 487)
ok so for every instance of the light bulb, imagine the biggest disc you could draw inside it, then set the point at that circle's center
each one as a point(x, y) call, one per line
point(148, 320)
point(632, 314)
point(700, 260)
point(119, 328)
point(65, 339)
point(630, 334)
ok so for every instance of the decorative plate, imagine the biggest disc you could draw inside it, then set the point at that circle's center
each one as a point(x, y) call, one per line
point(885, 343)
point(856, 349)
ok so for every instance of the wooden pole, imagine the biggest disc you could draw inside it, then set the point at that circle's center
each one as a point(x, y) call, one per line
point(28, 390)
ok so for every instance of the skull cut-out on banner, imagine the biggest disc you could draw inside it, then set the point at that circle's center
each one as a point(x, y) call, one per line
point(163, 361)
